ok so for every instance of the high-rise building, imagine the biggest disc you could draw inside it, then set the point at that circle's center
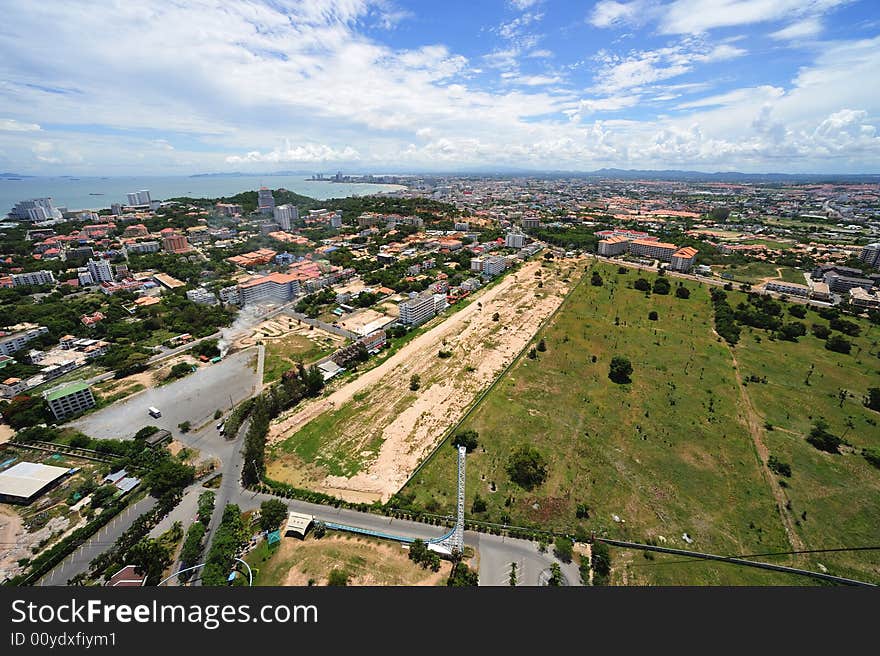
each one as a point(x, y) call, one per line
point(417, 310)
point(265, 201)
point(141, 197)
point(279, 287)
point(286, 216)
point(100, 271)
point(514, 240)
point(35, 209)
point(870, 255)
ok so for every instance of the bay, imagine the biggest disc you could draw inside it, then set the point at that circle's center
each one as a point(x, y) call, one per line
point(79, 192)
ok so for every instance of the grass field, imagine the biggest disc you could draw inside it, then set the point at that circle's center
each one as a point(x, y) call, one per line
point(671, 453)
point(752, 272)
point(283, 354)
point(366, 561)
point(839, 493)
point(792, 275)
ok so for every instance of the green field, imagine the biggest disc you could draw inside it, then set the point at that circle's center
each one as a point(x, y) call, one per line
point(283, 354)
point(671, 453)
point(753, 272)
point(840, 493)
point(793, 275)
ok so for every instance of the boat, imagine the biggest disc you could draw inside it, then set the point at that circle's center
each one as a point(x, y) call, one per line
point(92, 193)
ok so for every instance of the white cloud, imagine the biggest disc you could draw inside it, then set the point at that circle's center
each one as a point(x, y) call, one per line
point(11, 125)
point(804, 29)
point(640, 68)
point(537, 80)
point(524, 4)
point(308, 153)
point(699, 16)
point(540, 54)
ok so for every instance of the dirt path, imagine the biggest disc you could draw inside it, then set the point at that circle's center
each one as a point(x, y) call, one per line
point(408, 424)
point(756, 428)
point(10, 531)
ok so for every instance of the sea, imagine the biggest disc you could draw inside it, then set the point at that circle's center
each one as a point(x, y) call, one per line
point(77, 193)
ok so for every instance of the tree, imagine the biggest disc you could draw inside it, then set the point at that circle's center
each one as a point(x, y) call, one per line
point(218, 413)
point(792, 330)
point(798, 311)
point(652, 315)
point(582, 511)
point(682, 292)
point(838, 344)
point(821, 330)
point(184, 426)
point(600, 561)
point(272, 513)
point(596, 279)
point(620, 370)
point(206, 507)
point(169, 477)
point(466, 438)
point(563, 548)
point(533, 354)
point(662, 286)
point(512, 580)
point(179, 370)
point(542, 346)
point(642, 285)
point(778, 467)
point(496, 317)
point(479, 504)
point(822, 439)
point(150, 559)
point(527, 467)
point(415, 381)
point(555, 579)
point(337, 578)
point(872, 401)
point(462, 576)
point(102, 495)
point(145, 432)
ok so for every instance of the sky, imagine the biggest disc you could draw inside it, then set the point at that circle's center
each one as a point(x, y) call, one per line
point(138, 87)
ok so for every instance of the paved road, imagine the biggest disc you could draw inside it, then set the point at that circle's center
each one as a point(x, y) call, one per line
point(323, 325)
point(170, 353)
point(193, 398)
point(79, 560)
point(532, 567)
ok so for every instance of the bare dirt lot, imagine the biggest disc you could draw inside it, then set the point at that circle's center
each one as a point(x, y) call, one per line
point(365, 438)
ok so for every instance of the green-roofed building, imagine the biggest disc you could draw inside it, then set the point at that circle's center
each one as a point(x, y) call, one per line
point(69, 399)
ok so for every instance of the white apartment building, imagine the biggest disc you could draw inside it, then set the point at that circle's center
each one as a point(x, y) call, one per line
point(141, 197)
point(870, 255)
point(100, 270)
point(265, 201)
point(19, 336)
point(790, 288)
point(201, 296)
point(612, 246)
point(33, 278)
point(286, 216)
point(230, 294)
point(143, 247)
point(657, 250)
point(683, 259)
point(493, 265)
point(35, 209)
point(336, 220)
point(514, 240)
point(69, 399)
point(278, 287)
point(417, 310)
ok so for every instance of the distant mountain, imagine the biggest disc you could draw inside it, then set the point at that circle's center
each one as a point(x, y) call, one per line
point(239, 174)
point(15, 175)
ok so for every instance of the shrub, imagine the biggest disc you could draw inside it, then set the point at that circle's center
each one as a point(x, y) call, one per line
point(822, 439)
point(662, 286)
point(465, 438)
point(838, 344)
point(415, 381)
point(798, 311)
point(642, 285)
point(820, 330)
point(682, 292)
point(779, 467)
point(652, 315)
point(563, 548)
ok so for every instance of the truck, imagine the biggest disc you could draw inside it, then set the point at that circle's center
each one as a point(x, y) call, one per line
point(154, 412)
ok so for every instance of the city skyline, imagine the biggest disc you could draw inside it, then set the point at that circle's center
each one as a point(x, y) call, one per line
point(705, 85)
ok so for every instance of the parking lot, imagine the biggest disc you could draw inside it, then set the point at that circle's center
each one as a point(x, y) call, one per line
point(194, 398)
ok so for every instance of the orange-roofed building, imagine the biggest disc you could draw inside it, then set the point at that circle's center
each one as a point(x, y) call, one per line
point(683, 259)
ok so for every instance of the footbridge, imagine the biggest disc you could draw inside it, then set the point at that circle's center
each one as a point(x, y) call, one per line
point(448, 544)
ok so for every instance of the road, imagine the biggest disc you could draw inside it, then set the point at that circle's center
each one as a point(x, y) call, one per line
point(79, 560)
point(323, 325)
point(194, 398)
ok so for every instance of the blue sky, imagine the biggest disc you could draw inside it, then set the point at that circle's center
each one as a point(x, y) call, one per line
point(143, 87)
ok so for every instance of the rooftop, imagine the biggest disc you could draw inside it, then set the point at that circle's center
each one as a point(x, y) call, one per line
point(27, 478)
point(65, 390)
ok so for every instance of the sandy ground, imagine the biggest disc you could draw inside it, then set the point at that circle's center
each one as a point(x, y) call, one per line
point(11, 531)
point(282, 327)
point(409, 424)
point(392, 554)
point(6, 433)
point(357, 320)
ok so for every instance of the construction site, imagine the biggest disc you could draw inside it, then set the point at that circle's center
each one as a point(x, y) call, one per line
point(363, 439)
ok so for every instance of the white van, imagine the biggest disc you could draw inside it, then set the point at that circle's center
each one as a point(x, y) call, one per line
point(154, 412)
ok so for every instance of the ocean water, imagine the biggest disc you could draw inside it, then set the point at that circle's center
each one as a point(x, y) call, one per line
point(98, 193)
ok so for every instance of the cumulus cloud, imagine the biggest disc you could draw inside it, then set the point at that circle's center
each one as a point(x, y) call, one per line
point(308, 153)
